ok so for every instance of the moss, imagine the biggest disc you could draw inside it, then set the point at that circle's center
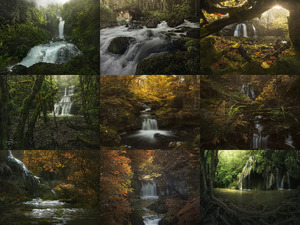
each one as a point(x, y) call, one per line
point(109, 137)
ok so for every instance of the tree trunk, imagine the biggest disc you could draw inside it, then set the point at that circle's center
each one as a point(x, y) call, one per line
point(294, 27)
point(26, 107)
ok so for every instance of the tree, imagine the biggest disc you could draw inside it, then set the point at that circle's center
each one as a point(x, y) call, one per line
point(240, 11)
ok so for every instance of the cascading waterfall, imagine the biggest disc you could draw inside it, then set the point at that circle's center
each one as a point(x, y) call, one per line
point(148, 42)
point(11, 158)
point(61, 28)
point(259, 142)
point(58, 52)
point(248, 91)
point(65, 104)
point(246, 173)
point(254, 31)
point(149, 190)
point(237, 30)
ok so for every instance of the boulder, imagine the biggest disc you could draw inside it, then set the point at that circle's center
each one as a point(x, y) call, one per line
point(152, 23)
point(174, 20)
point(19, 70)
point(119, 45)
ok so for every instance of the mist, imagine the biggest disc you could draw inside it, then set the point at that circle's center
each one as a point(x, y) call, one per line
point(48, 2)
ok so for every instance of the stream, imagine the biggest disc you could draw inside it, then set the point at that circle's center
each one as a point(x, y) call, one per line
point(149, 196)
point(148, 42)
point(38, 211)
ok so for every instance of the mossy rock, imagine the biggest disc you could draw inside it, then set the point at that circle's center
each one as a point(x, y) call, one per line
point(119, 45)
point(151, 23)
point(174, 20)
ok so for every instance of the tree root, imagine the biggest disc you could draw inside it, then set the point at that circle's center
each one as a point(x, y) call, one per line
point(216, 211)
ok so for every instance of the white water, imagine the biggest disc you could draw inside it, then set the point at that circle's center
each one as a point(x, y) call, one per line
point(11, 158)
point(61, 28)
point(248, 91)
point(65, 104)
point(246, 173)
point(149, 193)
point(259, 142)
point(148, 42)
point(254, 30)
point(149, 190)
point(54, 52)
point(237, 30)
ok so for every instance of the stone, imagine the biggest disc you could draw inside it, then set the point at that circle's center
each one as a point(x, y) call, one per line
point(119, 45)
point(193, 33)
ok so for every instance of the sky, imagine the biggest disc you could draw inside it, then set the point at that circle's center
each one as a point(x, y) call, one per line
point(47, 2)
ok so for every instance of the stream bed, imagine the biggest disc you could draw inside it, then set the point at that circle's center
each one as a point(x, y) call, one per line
point(38, 211)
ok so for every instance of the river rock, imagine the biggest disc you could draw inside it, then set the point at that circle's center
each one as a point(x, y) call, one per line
point(152, 23)
point(119, 45)
point(174, 20)
point(193, 33)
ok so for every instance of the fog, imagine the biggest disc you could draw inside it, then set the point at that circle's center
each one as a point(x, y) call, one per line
point(47, 2)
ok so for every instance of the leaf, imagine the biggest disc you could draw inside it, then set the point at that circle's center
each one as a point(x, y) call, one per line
point(237, 45)
point(265, 65)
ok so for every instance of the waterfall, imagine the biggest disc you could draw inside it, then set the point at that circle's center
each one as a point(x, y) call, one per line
point(11, 158)
point(259, 142)
point(58, 52)
point(254, 31)
point(281, 187)
point(246, 173)
point(61, 28)
point(148, 42)
point(149, 124)
point(277, 178)
point(289, 141)
point(248, 91)
point(149, 190)
point(65, 104)
point(237, 30)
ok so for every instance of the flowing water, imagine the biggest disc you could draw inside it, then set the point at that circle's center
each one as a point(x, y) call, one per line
point(65, 104)
point(150, 136)
point(148, 42)
point(149, 194)
point(56, 212)
point(58, 52)
point(237, 31)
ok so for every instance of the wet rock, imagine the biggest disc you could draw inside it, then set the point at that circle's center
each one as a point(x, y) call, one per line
point(152, 23)
point(119, 45)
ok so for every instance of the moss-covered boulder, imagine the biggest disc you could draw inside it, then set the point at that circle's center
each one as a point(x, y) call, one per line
point(151, 23)
point(184, 59)
point(174, 20)
point(119, 45)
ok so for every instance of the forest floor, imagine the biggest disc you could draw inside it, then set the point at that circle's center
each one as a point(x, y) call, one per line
point(266, 55)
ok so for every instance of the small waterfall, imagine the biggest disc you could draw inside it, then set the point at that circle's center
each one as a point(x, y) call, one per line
point(259, 142)
point(149, 121)
point(149, 190)
point(246, 173)
point(289, 141)
point(277, 178)
point(61, 28)
point(238, 28)
point(248, 91)
point(281, 187)
point(254, 31)
point(11, 158)
point(64, 106)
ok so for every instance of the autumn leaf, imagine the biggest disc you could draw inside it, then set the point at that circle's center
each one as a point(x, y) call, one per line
point(265, 65)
